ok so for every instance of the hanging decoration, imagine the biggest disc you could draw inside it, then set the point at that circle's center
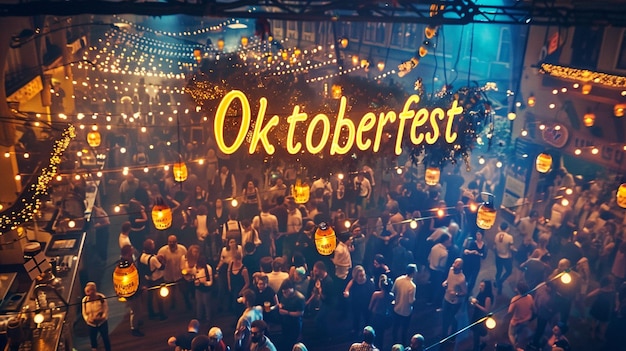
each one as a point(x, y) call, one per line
point(93, 138)
point(543, 163)
point(486, 215)
point(180, 171)
point(325, 239)
point(621, 196)
point(161, 215)
point(432, 176)
point(27, 204)
point(125, 279)
point(300, 192)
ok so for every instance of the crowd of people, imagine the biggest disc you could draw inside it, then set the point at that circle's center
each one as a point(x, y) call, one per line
point(258, 259)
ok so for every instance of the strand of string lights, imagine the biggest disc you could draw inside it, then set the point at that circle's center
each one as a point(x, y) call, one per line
point(203, 30)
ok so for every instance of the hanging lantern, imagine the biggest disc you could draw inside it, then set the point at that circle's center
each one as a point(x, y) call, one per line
point(197, 54)
point(337, 91)
point(325, 239)
point(531, 100)
point(244, 41)
point(432, 175)
point(485, 216)
point(297, 52)
point(586, 89)
point(125, 279)
point(619, 110)
point(300, 192)
point(543, 163)
point(423, 51)
point(284, 55)
point(430, 31)
point(589, 119)
point(343, 43)
point(220, 44)
point(355, 60)
point(94, 138)
point(180, 171)
point(381, 66)
point(621, 196)
point(161, 215)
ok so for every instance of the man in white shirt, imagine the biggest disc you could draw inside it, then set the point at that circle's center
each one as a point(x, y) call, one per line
point(154, 265)
point(456, 289)
point(504, 255)
point(363, 190)
point(172, 252)
point(404, 292)
point(266, 224)
point(437, 264)
point(527, 225)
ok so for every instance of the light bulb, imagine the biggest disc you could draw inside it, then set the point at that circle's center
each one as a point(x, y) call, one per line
point(38, 318)
point(164, 291)
point(234, 203)
point(566, 278)
point(413, 224)
point(347, 224)
point(399, 170)
point(490, 323)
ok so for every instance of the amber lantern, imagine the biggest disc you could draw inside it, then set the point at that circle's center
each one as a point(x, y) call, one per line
point(284, 55)
point(94, 138)
point(337, 91)
point(486, 216)
point(325, 239)
point(586, 89)
point(300, 192)
point(430, 31)
point(161, 215)
point(344, 43)
point(180, 171)
point(423, 51)
point(589, 119)
point(220, 44)
point(621, 196)
point(619, 109)
point(432, 175)
point(197, 54)
point(244, 41)
point(125, 279)
point(380, 66)
point(531, 100)
point(543, 163)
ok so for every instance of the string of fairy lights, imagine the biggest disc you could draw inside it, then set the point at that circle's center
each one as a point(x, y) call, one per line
point(214, 28)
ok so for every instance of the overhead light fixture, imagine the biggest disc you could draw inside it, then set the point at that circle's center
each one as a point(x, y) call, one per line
point(237, 26)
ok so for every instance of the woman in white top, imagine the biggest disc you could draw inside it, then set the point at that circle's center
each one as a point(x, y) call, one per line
point(95, 314)
point(200, 222)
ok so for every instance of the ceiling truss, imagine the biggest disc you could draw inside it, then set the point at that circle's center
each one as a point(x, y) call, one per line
point(455, 12)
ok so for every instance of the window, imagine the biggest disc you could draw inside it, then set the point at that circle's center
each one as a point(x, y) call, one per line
point(586, 47)
point(621, 55)
point(370, 32)
point(397, 34)
point(504, 47)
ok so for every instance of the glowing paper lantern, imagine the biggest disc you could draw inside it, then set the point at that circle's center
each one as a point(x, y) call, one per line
point(531, 100)
point(432, 175)
point(337, 91)
point(93, 138)
point(423, 51)
point(543, 163)
point(197, 54)
point(589, 119)
point(161, 215)
point(180, 171)
point(300, 192)
point(586, 89)
point(344, 43)
point(125, 279)
point(430, 31)
point(619, 110)
point(325, 239)
point(621, 196)
point(486, 216)
point(380, 66)
point(220, 44)
point(244, 41)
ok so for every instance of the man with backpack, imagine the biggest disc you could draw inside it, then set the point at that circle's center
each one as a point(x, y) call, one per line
point(151, 270)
